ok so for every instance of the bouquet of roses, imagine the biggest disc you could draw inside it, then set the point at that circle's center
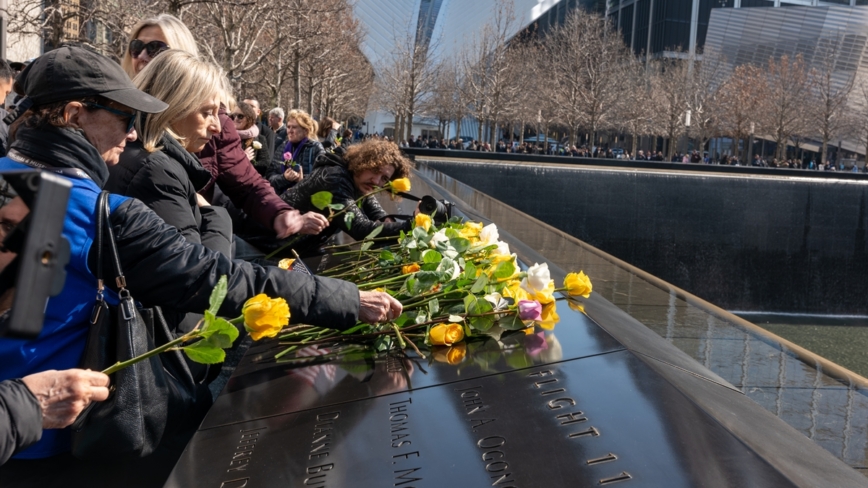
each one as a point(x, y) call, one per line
point(455, 281)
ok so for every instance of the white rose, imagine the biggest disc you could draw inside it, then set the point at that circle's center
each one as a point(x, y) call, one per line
point(502, 249)
point(439, 236)
point(489, 235)
point(538, 277)
point(257, 145)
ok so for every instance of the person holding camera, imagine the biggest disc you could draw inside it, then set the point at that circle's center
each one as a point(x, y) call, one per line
point(82, 113)
point(363, 168)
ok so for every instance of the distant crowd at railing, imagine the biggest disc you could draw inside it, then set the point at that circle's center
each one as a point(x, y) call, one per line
point(566, 150)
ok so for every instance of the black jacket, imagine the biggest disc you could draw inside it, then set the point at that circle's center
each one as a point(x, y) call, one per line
point(331, 174)
point(267, 142)
point(166, 181)
point(163, 268)
point(20, 418)
point(306, 158)
point(279, 143)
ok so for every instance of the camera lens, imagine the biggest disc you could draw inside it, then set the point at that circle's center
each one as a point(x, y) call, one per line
point(428, 205)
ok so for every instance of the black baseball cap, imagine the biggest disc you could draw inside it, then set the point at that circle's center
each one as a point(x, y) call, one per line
point(70, 73)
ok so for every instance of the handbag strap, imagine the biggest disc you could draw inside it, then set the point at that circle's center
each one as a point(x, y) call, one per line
point(104, 233)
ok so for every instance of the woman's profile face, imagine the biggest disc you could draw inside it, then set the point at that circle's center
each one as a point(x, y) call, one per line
point(241, 122)
point(105, 130)
point(294, 132)
point(146, 35)
point(198, 127)
point(368, 180)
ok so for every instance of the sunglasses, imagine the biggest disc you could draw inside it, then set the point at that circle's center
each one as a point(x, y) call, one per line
point(153, 48)
point(131, 116)
point(236, 117)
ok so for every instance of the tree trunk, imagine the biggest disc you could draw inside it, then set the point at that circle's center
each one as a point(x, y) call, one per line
point(296, 74)
point(823, 151)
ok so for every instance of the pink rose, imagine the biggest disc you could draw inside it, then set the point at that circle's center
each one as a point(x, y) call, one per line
point(529, 310)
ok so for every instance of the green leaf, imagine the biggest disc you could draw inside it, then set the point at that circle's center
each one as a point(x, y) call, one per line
point(337, 207)
point(204, 353)
point(456, 319)
point(218, 294)
point(433, 307)
point(460, 244)
point(431, 256)
point(348, 219)
point(374, 233)
point(420, 234)
point(218, 331)
point(321, 199)
point(511, 322)
point(480, 284)
point(386, 255)
point(367, 245)
point(504, 270)
point(426, 280)
point(470, 271)
point(475, 306)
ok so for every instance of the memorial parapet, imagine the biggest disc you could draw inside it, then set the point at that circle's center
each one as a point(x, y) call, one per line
point(598, 401)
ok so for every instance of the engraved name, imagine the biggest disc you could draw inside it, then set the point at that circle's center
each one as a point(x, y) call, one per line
point(399, 430)
point(244, 451)
point(548, 386)
point(493, 455)
point(323, 437)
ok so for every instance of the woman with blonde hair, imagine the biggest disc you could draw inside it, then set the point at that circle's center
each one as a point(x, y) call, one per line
point(160, 168)
point(223, 155)
point(152, 36)
point(301, 151)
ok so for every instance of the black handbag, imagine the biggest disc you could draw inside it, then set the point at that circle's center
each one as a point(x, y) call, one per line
point(149, 401)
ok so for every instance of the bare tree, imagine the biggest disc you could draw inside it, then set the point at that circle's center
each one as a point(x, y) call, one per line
point(827, 107)
point(403, 80)
point(858, 115)
point(588, 59)
point(788, 89)
point(487, 60)
point(670, 81)
point(632, 109)
point(703, 97)
point(740, 98)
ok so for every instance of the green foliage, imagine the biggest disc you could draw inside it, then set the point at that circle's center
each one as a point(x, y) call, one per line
point(321, 199)
point(218, 294)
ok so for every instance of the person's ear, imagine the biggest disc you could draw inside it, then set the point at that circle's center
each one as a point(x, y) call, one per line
point(72, 113)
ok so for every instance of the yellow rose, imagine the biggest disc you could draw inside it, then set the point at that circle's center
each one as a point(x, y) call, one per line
point(265, 317)
point(578, 307)
point(285, 263)
point(400, 184)
point(446, 334)
point(549, 316)
point(412, 268)
point(514, 290)
point(470, 230)
point(578, 284)
point(450, 355)
point(544, 296)
point(423, 221)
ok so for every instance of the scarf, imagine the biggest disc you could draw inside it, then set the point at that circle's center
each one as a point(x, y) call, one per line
point(61, 148)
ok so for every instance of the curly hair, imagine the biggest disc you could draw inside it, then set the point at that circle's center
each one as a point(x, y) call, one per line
point(304, 120)
point(373, 154)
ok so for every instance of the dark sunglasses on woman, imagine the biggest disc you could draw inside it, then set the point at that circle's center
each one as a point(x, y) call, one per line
point(153, 48)
point(236, 117)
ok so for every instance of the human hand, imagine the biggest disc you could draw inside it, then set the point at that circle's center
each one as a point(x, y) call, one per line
point(377, 306)
point(292, 176)
point(64, 394)
point(250, 153)
point(292, 222)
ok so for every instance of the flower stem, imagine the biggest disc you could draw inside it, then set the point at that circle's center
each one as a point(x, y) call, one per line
point(153, 352)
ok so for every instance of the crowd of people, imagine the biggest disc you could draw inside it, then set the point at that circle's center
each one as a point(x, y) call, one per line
point(583, 151)
point(201, 186)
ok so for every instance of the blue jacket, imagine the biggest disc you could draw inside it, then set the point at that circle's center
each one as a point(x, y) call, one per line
point(61, 343)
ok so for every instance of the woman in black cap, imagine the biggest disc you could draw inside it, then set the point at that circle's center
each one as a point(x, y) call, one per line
point(82, 111)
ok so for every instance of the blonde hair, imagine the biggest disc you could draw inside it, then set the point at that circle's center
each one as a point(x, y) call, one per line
point(181, 80)
point(304, 120)
point(177, 35)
